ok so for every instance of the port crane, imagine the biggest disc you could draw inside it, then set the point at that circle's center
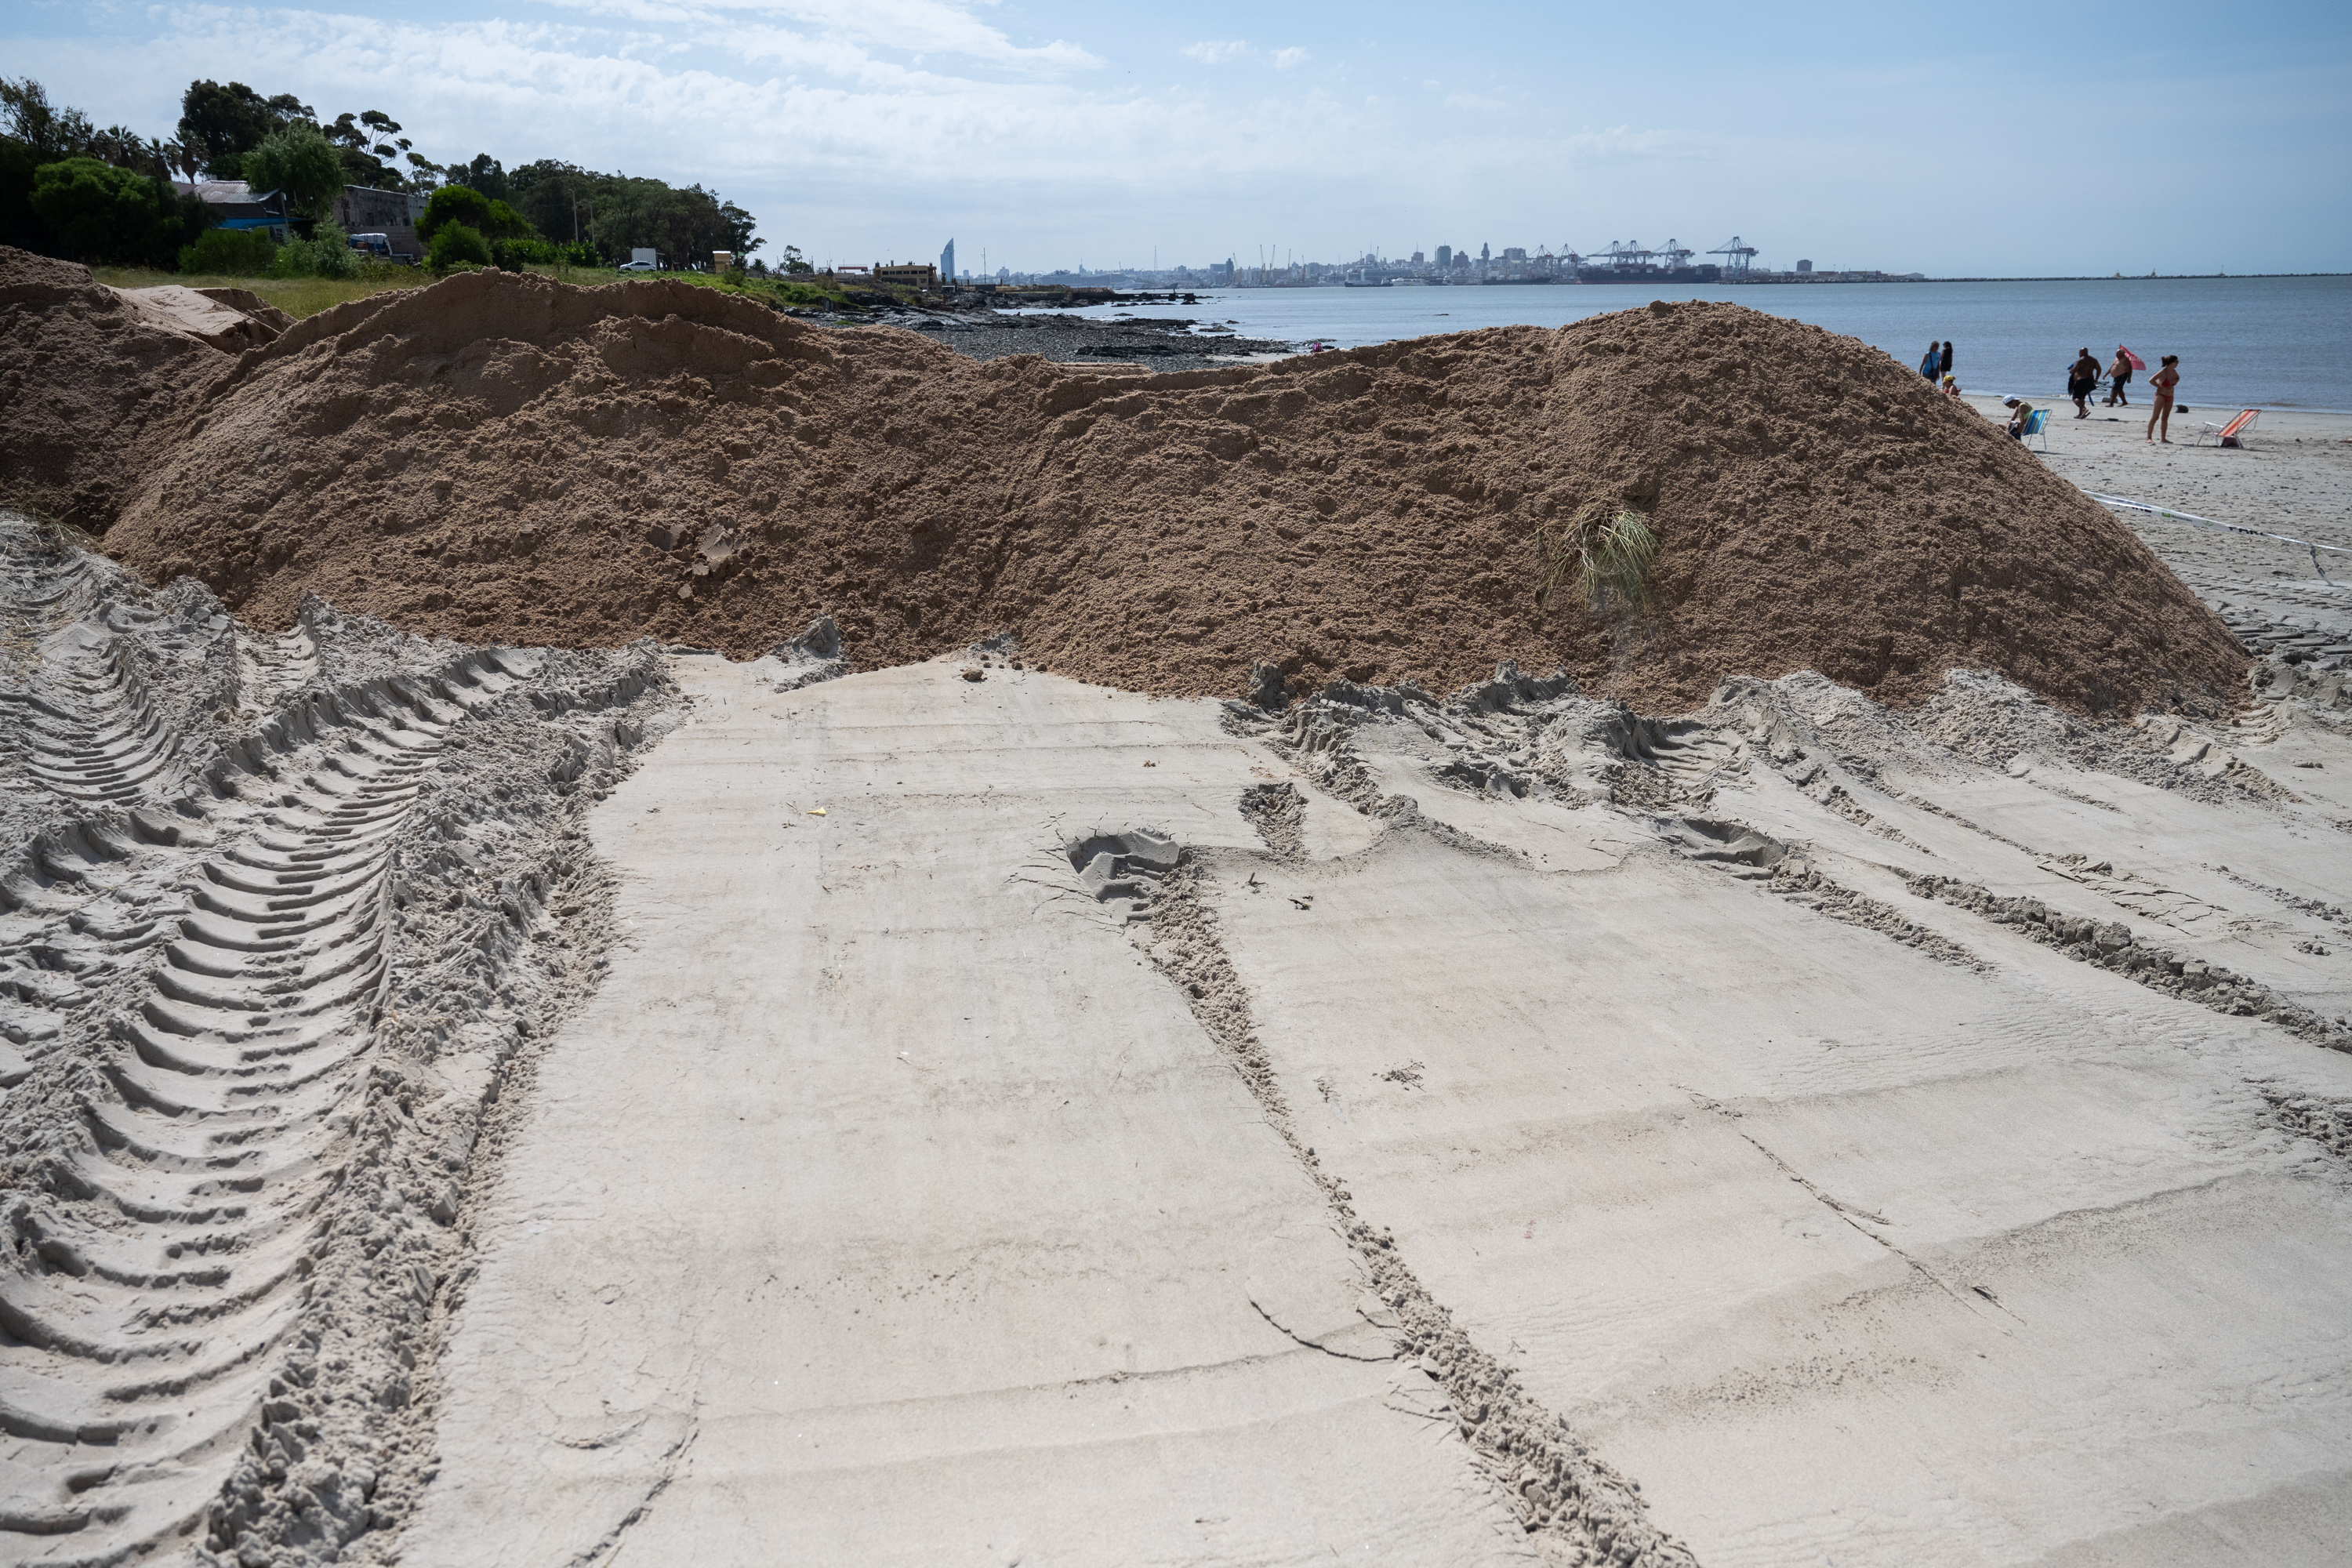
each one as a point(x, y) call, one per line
point(1674, 253)
point(1739, 252)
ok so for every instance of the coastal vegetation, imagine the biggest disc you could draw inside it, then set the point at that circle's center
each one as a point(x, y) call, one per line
point(110, 198)
point(1603, 552)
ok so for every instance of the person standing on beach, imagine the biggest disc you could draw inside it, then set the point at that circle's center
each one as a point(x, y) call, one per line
point(2119, 377)
point(1931, 363)
point(1944, 360)
point(2081, 380)
point(2161, 383)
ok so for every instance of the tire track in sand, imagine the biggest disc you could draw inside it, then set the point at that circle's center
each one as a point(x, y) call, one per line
point(91, 732)
point(151, 1268)
point(78, 715)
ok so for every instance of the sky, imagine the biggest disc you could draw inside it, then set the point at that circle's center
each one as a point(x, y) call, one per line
point(1986, 140)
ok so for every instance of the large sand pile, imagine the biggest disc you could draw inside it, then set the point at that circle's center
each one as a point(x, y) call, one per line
point(86, 378)
point(510, 459)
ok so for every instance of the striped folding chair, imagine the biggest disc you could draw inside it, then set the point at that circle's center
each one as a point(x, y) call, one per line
point(2233, 434)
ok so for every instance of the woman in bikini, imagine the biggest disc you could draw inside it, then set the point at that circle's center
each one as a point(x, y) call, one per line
point(2161, 383)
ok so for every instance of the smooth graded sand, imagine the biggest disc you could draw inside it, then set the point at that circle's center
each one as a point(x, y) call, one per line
point(1842, 1253)
point(915, 1224)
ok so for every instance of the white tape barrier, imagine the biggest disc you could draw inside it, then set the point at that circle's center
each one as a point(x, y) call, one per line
point(2166, 512)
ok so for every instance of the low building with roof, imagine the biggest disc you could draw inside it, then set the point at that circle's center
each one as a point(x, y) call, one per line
point(359, 209)
point(237, 205)
point(364, 209)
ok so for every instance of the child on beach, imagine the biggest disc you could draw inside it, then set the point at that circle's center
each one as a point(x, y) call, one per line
point(2081, 380)
point(1951, 386)
point(2161, 383)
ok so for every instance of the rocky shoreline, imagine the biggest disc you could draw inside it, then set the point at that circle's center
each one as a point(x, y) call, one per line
point(1150, 343)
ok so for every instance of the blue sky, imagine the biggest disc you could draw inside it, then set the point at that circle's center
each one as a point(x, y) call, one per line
point(1978, 139)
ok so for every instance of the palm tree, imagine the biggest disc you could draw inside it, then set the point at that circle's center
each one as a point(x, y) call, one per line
point(182, 156)
point(126, 149)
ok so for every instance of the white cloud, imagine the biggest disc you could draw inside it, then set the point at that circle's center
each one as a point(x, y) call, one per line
point(852, 144)
point(910, 27)
point(857, 127)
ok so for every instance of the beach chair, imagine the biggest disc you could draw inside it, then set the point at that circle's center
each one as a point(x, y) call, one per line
point(2233, 434)
point(2037, 424)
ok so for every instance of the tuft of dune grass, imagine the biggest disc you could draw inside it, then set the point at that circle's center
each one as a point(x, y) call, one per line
point(1605, 552)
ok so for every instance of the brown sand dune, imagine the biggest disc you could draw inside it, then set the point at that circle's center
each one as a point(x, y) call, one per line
point(88, 380)
point(507, 457)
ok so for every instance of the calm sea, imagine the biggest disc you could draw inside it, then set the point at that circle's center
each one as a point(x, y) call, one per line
point(2268, 343)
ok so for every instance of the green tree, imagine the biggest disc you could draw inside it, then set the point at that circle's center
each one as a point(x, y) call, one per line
point(19, 225)
point(739, 224)
point(39, 133)
point(184, 158)
point(454, 203)
point(52, 134)
point(616, 214)
point(99, 213)
point(456, 245)
point(557, 198)
point(229, 122)
point(299, 162)
point(126, 149)
point(795, 264)
point(327, 253)
point(462, 203)
point(229, 253)
point(363, 142)
point(484, 175)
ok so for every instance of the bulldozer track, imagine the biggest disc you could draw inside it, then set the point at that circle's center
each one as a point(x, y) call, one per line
point(219, 985)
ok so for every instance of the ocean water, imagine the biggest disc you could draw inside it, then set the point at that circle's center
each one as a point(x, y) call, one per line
point(2247, 343)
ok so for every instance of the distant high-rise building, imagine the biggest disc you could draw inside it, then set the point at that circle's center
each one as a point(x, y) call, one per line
point(1416, 259)
point(1804, 267)
point(1483, 255)
point(1445, 258)
point(947, 262)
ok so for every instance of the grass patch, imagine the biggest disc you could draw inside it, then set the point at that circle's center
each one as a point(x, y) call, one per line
point(1605, 551)
point(298, 297)
point(777, 292)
